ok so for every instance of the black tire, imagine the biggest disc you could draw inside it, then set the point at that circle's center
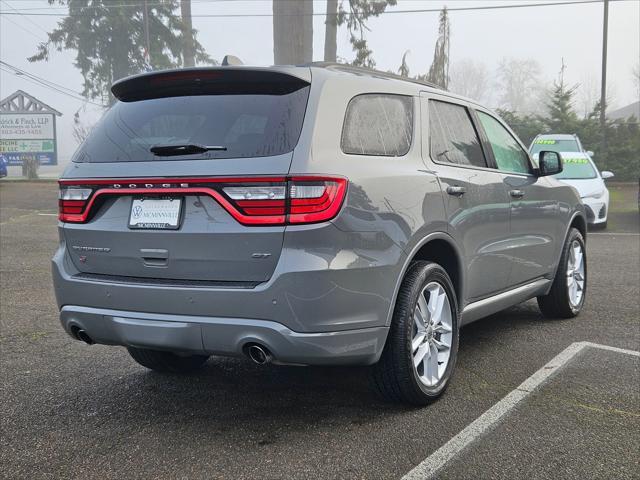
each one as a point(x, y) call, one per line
point(394, 377)
point(167, 362)
point(556, 303)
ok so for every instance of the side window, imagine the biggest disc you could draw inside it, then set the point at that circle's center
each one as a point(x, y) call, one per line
point(509, 156)
point(452, 136)
point(378, 124)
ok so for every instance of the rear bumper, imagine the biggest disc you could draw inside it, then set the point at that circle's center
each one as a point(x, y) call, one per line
point(322, 305)
point(314, 289)
point(225, 336)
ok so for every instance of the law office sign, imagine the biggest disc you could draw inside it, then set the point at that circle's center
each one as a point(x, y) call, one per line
point(27, 130)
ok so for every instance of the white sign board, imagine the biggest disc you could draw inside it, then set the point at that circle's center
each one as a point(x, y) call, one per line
point(26, 126)
point(25, 135)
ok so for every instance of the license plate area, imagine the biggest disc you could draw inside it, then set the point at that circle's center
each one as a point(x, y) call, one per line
point(155, 213)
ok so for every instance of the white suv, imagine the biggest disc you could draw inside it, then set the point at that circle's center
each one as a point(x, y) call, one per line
point(580, 172)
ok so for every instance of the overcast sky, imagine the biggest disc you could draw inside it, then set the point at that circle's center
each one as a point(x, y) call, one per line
point(546, 34)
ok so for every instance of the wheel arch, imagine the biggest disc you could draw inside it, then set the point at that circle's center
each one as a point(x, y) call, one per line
point(441, 248)
point(578, 221)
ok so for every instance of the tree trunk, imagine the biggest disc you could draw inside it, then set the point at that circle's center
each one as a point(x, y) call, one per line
point(30, 167)
point(307, 29)
point(331, 32)
point(187, 33)
point(292, 32)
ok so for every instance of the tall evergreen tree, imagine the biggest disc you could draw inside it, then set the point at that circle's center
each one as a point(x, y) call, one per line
point(356, 19)
point(562, 118)
point(109, 41)
point(439, 70)
point(403, 71)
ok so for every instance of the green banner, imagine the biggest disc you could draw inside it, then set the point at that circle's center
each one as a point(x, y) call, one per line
point(24, 146)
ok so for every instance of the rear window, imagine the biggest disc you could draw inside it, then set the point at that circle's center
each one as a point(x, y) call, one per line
point(378, 124)
point(576, 168)
point(246, 125)
point(552, 145)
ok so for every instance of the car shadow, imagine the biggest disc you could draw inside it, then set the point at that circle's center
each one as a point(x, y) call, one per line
point(235, 393)
point(231, 393)
point(525, 316)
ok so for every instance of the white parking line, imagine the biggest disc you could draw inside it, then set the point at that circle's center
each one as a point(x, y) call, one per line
point(48, 214)
point(485, 422)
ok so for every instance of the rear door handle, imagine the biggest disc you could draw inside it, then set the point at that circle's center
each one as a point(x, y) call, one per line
point(516, 193)
point(456, 190)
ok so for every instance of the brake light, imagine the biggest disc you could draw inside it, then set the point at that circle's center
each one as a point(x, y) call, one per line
point(251, 201)
point(312, 200)
point(71, 202)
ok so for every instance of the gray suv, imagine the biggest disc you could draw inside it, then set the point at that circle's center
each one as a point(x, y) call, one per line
point(311, 215)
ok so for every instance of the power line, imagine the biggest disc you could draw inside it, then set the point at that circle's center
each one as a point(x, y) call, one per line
point(153, 4)
point(35, 82)
point(25, 17)
point(386, 12)
point(25, 29)
point(45, 83)
point(41, 84)
point(24, 72)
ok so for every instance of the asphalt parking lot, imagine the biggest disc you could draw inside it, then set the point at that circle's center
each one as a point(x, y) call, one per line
point(69, 410)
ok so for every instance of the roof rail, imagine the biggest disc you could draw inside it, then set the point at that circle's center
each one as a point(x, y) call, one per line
point(371, 72)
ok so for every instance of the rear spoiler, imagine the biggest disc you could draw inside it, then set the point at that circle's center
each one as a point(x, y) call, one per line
point(211, 81)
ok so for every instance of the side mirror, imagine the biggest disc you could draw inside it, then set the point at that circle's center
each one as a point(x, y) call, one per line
point(590, 153)
point(606, 174)
point(549, 163)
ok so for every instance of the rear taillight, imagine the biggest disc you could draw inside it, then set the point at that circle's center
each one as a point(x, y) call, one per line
point(312, 201)
point(72, 202)
point(266, 201)
point(251, 201)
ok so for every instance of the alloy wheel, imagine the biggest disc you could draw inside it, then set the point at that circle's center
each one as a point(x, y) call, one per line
point(575, 274)
point(432, 334)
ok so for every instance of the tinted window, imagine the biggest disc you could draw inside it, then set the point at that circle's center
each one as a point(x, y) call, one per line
point(554, 145)
point(378, 124)
point(247, 125)
point(453, 137)
point(509, 156)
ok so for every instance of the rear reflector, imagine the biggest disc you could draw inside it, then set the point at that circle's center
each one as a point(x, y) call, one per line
point(251, 201)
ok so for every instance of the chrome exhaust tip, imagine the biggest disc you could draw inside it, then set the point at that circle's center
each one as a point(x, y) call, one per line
point(259, 354)
point(84, 336)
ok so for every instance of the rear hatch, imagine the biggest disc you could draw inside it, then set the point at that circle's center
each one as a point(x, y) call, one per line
point(184, 178)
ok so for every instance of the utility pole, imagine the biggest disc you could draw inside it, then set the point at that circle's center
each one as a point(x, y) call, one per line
point(603, 92)
point(330, 32)
point(187, 34)
point(147, 46)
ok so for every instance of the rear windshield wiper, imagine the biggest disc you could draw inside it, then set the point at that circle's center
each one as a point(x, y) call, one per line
point(186, 149)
